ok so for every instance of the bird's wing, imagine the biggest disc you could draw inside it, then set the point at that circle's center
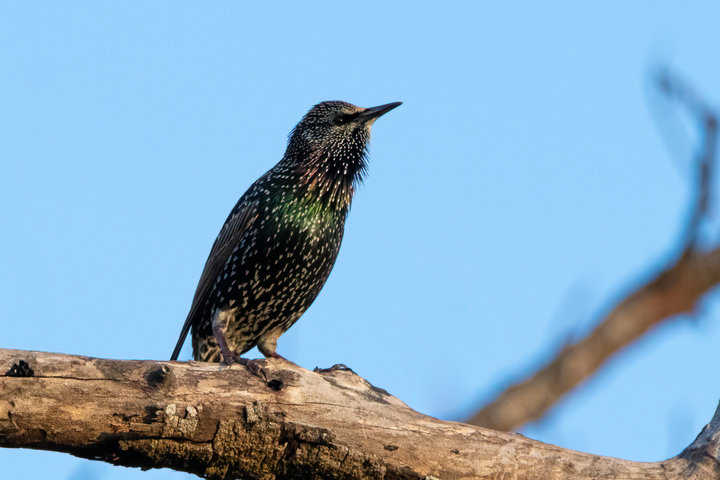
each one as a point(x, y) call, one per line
point(229, 237)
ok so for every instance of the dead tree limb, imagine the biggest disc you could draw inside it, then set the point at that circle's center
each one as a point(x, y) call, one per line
point(222, 422)
point(675, 290)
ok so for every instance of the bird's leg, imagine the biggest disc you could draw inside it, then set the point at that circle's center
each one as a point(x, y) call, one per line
point(219, 326)
point(268, 344)
point(228, 356)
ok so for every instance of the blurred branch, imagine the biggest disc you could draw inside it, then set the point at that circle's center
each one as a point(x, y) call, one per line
point(675, 290)
point(676, 89)
point(222, 422)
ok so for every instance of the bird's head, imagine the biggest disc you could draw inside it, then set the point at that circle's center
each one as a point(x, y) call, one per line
point(333, 136)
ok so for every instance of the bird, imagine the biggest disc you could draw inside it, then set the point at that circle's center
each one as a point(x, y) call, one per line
point(279, 243)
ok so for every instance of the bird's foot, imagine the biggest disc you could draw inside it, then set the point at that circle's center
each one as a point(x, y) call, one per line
point(252, 365)
point(337, 367)
point(280, 357)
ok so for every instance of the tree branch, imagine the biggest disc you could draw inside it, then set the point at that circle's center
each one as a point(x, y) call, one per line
point(222, 422)
point(675, 290)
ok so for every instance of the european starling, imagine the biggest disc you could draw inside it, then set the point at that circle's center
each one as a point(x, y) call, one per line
point(278, 245)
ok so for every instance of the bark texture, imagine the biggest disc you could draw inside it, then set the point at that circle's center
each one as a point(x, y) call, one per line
point(222, 422)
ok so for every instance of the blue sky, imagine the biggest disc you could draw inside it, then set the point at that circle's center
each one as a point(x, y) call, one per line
point(521, 188)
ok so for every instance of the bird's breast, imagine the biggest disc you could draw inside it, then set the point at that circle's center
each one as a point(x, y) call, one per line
point(300, 234)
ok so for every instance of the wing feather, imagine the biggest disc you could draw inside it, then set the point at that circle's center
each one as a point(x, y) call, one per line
point(228, 238)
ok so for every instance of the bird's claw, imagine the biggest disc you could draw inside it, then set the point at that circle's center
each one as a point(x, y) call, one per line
point(252, 365)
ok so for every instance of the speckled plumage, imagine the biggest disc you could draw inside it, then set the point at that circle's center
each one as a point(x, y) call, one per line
point(279, 244)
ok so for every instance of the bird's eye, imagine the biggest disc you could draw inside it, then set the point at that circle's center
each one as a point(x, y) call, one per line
point(341, 119)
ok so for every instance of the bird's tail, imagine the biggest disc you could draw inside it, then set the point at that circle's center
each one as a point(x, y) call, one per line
point(183, 336)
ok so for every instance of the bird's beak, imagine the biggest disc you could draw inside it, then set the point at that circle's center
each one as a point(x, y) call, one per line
point(371, 114)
